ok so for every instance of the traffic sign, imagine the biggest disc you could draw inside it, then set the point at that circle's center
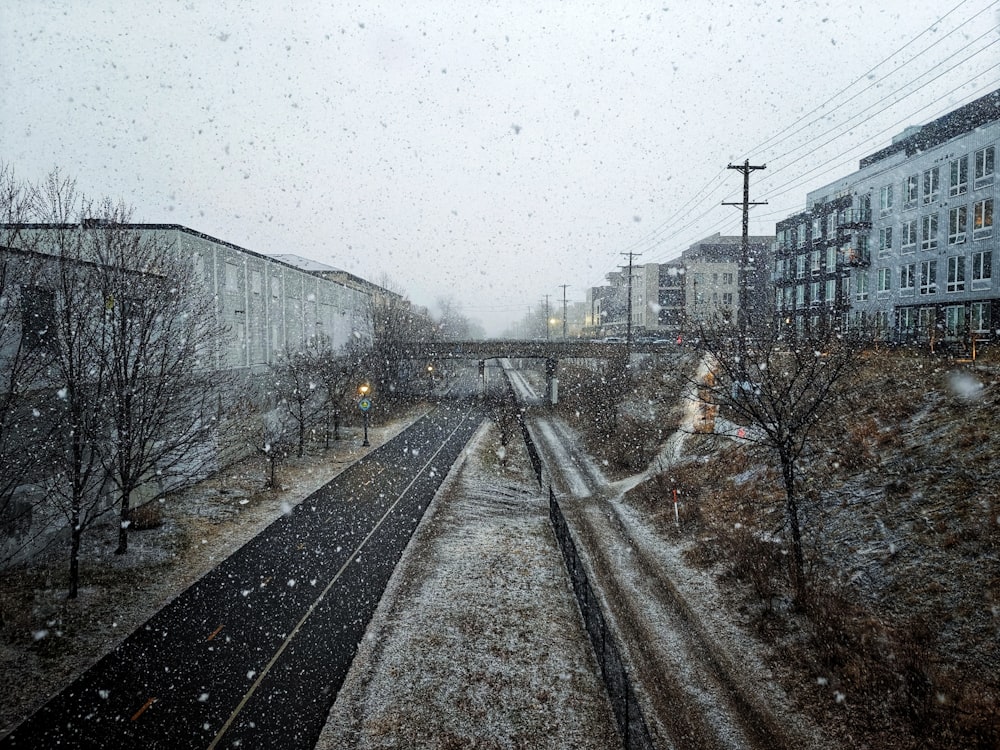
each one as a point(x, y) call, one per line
point(365, 404)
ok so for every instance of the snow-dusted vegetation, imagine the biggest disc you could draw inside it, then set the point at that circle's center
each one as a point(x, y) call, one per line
point(895, 643)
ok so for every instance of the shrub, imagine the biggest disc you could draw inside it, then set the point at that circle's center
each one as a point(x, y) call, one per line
point(146, 516)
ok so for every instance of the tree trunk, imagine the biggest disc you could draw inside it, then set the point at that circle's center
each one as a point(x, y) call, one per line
point(76, 532)
point(797, 564)
point(123, 524)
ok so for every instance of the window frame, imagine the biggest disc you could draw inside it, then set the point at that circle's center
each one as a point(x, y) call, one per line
point(958, 176)
point(982, 210)
point(958, 222)
point(955, 274)
point(929, 231)
point(931, 185)
point(928, 277)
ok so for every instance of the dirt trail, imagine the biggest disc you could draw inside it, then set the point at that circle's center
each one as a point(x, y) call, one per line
point(698, 685)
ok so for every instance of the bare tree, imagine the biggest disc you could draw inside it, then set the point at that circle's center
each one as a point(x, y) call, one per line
point(25, 419)
point(394, 325)
point(163, 340)
point(340, 374)
point(776, 392)
point(130, 339)
point(77, 357)
point(295, 383)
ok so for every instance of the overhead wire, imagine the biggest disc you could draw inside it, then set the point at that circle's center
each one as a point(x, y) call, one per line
point(656, 237)
point(814, 147)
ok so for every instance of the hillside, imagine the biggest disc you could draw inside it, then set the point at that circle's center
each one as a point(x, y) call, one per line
point(897, 646)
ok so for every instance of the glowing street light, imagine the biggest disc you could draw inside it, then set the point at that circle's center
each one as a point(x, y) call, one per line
point(364, 403)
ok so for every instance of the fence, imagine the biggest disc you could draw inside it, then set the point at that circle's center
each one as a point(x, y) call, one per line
point(631, 723)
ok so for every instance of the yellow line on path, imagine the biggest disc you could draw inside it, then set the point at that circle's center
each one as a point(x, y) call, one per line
point(142, 710)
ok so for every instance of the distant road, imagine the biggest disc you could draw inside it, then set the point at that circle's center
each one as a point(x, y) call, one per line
point(254, 653)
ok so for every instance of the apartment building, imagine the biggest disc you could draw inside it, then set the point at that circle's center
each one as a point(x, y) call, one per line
point(711, 277)
point(906, 243)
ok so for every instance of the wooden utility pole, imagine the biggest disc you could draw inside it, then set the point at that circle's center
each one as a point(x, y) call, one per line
point(546, 317)
point(628, 329)
point(742, 273)
point(563, 286)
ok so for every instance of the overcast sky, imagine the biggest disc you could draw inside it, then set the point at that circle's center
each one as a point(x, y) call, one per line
point(487, 151)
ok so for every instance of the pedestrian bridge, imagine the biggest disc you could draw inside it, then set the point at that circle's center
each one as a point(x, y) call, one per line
point(516, 349)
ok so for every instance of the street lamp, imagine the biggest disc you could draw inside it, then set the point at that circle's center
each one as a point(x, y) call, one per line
point(430, 376)
point(364, 403)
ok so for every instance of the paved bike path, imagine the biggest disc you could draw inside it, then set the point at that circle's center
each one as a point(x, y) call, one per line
point(254, 653)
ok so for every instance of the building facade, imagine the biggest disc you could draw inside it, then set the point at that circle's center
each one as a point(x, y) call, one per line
point(905, 244)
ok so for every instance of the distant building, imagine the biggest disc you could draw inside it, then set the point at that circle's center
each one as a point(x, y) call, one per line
point(711, 278)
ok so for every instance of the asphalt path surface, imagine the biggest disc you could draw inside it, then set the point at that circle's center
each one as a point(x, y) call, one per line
point(254, 653)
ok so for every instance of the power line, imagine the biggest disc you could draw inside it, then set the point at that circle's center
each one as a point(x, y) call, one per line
point(656, 237)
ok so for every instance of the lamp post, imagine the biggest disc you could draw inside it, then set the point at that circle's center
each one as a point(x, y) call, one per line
point(364, 403)
point(430, 377)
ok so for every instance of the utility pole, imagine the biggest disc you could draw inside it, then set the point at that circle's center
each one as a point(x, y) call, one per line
point(563, 286)
point(628, 334)
point(546, 317)
point(744, 267)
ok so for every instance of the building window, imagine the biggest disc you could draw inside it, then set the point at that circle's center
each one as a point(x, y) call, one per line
point(928, 232)
point(982, 219)
point(979, 314)
point(907, 279)
point(926, 319)
point(911, 191)
point(956, 274)
point(727, 298)
point(831, 291)
point(727, 278)
point(884, 282)
point(863, 255)
point(928, 277)
point(958, 181)
point(882, 322)
point(831, 259)
point(817, 228)
point(803, 234)
point(985, 164)
point(800, 266)
point(954, 320)
point(232, 278)
point(885, 199)
point(884, 241)
point(982, 269)
point(800, 295)
point(814, 293)
point(909, 237)
point(932, 184)
point(815, 262)
point(957, 220)
point(908, 322)
point(861, 291)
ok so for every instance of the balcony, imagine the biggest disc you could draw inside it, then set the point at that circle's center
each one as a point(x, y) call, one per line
point(855, 218)
point(856, 257)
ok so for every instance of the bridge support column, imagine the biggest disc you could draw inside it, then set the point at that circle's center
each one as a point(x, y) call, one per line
point(551, 381)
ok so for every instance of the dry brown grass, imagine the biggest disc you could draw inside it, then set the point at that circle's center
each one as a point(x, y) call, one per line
point(904, 591)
